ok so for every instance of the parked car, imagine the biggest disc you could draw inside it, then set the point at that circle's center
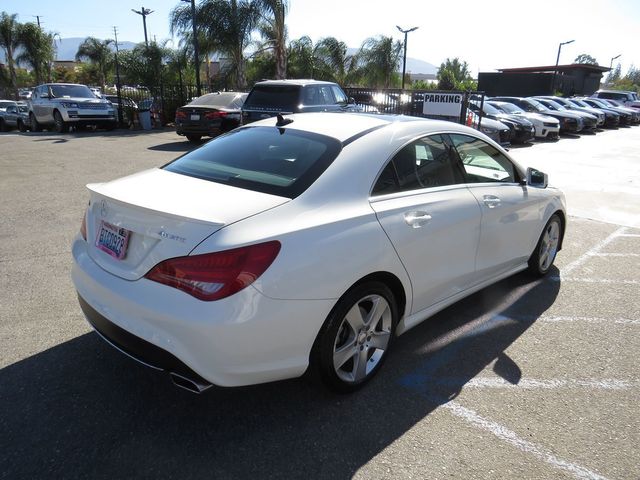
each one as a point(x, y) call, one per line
point(62, 105)
point(569, 122)
point(268, 98)
point(210, 115)
point(600, 116)
point(629, 99)
point(590, 122)
point(544, 125)
point(522, 130)
point(14, 116)
point(626, 117)
point(495, 130)
point(306, 241)
point(129, 111)
point(5, 103)
point(24, 94)
point(611, 117)
point(635, 112)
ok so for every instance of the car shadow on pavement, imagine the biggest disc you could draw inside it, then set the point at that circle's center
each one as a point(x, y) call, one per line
point(83, 410)
point(123, 132)
point(177, 146)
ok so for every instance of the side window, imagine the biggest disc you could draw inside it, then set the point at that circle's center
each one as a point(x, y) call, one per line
point(339, 94)
point(311, 95)
point(326, 96)
point(483, 162)
point(424, 163)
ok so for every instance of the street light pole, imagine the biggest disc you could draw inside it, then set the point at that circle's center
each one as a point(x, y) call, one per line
point(612, 59)
point(144, 12)
point(404, 59)
point(196, 56)
point(555, 71)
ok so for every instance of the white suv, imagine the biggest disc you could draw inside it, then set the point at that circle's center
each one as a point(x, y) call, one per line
point(61, 105)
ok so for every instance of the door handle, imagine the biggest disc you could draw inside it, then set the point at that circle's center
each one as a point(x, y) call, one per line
point(417, 219)
point(491, 201)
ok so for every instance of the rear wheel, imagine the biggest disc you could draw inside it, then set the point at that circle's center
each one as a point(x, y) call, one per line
point(3, 126)
point(61, 126)
point(542, 258)
point(353, 343)
point(194, 138)
point(35, 126)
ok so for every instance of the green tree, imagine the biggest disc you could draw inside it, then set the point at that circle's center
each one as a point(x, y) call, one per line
point(586, 59)
point(9, 41)
point(274, 29)
point(334, 62)
point(379, 58)
point(455, 75)
point(99, 53)
point(302, 60)
point(38, 50)
point(228, 24)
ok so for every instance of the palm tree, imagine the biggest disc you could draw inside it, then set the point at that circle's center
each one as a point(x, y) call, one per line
point(38, 50)
point(98, 53)
point(273, 13)
point(9, 30)
point(228, 24)
point(302, 58)
point(335, 63)
point(381, 57)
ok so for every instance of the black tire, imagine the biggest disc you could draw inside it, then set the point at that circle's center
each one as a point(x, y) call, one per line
point(3, 126)
point(194, 138)
point(347, 353)
point(60, 125)
point(21, 126)
point(543, 256)
point(35, 126)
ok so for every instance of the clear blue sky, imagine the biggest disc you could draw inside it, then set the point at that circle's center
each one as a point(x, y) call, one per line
point(488, 35)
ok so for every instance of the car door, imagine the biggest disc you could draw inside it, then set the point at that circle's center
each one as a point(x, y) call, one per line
point(431, 218)
point(510, 211)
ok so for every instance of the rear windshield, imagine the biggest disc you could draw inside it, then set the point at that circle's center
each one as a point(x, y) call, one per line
point(278, 161)
point(281, 98)
point(220, 100)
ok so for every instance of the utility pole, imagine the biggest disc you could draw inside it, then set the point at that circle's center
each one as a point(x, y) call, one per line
point(144, 12)
point(404, 59)
point(38, 19)
point(196, 56)
point(555, 71)
point(120, 106)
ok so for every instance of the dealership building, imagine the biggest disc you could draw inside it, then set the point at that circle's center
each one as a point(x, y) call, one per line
point(574, 79)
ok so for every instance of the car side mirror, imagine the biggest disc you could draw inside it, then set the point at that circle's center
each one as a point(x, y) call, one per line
point(536, 178)
point(351, 101)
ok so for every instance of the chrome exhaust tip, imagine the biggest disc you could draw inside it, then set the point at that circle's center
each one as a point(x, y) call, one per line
point(188, 384)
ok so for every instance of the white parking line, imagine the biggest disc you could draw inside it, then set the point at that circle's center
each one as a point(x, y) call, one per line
point(532, 384)
point(512, 438)
point(620, 321)
point(607, 281)
point(580, 260)
point(632, 235)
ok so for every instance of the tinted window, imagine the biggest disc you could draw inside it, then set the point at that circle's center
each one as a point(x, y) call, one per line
point(278, 161)
point(274, 97)
point(339, 94)
point(78, 91)
point(425, 163)
point(483, 162)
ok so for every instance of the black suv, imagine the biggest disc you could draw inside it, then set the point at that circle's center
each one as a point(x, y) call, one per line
point(270, 97)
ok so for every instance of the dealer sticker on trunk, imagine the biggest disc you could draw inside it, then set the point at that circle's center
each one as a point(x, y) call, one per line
point(113, 240)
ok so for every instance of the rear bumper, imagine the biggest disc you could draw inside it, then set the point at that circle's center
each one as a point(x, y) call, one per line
point(244, 339)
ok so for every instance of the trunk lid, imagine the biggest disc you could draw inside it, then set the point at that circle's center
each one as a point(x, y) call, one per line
point(164, 215)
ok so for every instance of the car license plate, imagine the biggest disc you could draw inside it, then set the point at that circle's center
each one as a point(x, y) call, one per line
point(195, 118)
point(113, 240)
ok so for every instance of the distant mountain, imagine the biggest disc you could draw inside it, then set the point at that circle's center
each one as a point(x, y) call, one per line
point(414, 65)
point(67, 47)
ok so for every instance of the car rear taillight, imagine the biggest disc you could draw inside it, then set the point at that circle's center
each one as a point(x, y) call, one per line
point(214, 115)
point(180, 114)
point(213, 276)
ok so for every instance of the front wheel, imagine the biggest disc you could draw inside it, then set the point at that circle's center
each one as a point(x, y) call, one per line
point(35, 126)
point(353, 343)
point(542, 258)
point(61, 126)
point(21, 126)
point(194, 138)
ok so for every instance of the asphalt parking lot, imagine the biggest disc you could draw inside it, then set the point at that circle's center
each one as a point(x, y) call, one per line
point(525, 379)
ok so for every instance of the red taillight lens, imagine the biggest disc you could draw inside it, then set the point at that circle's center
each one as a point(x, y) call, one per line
point(83, 226)
point(214, 276)
point(214, 115)
point(180, 114)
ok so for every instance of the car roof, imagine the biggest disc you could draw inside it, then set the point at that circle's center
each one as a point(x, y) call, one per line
point(301, 82)
point(347, 126)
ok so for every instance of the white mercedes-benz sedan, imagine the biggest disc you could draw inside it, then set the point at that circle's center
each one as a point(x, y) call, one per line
point(306, 242)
